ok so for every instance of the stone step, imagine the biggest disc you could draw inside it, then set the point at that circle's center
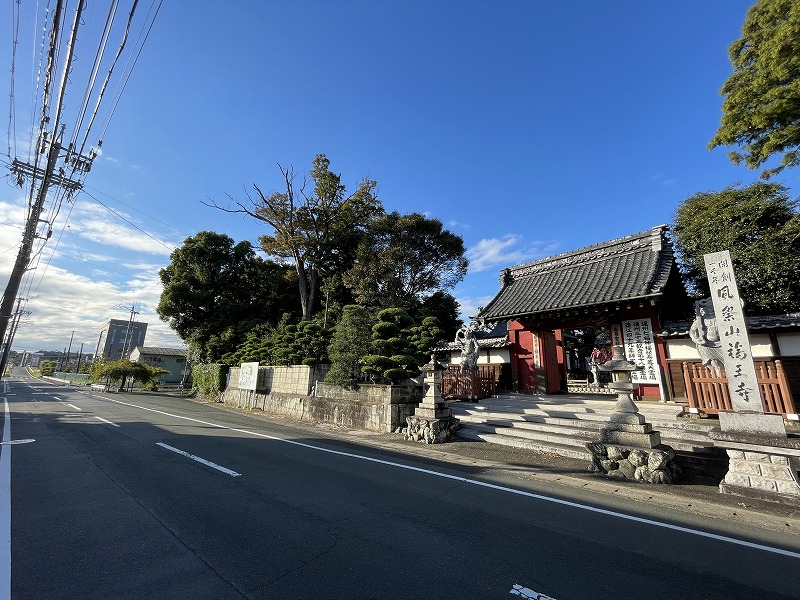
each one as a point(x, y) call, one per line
point(686, 431)
point(574, 432)
point(562, 438)
point(471, 433)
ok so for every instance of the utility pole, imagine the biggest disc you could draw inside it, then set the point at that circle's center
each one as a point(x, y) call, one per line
point(80, 356)
point(66, 363)
point(134, 312)
point(51, 145)
point(7, 349)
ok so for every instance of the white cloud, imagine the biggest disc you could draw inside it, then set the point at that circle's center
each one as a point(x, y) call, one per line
point(120, 236)
point(469, 305)
point(68, 293)
point(506, 252)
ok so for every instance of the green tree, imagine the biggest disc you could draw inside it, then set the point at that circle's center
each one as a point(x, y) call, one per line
point(761, 110)
point(350, 342)
point(122, 369)
point(216, 290)
point(444, 308)
point(402, 259)
point(760, 226)
point(47, 367)
point(316, 230)
point(393, 356)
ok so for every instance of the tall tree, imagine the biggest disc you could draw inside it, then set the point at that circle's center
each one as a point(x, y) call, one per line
point(403, 259)
point(316, 230)
point(350, 343)
point(216, 290)
point(761, 110)
point(760, 226)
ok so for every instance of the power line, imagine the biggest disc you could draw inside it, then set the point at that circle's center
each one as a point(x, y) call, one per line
point(136, 227)
point(47, 151)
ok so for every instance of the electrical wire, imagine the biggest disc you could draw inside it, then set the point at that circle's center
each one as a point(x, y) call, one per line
point(136, 227)
point(129, 71)
point(141, 212)
point(112, 11)
point(12, 119)
point(110, 71)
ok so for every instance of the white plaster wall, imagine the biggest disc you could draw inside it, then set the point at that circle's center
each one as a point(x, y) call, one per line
point(789, 343)
point(761, 346)
point(684, 349)
point(492, 356)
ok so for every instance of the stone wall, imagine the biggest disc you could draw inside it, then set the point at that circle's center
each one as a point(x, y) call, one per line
point(292, 379)
point(287, 391)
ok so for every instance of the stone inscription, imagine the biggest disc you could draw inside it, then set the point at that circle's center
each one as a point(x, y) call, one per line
point(736, 352)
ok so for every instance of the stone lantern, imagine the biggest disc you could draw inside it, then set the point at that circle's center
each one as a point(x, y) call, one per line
point(621, 369)
point(433, 422)
point(628, 446)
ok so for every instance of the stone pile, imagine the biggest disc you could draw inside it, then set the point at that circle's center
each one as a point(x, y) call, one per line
point(651, 465)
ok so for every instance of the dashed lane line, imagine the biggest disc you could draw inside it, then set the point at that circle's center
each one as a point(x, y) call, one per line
point(499, 488)
point(208, 463)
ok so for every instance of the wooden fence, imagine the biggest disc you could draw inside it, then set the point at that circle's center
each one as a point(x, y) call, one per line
point(473, 386)
point(709, 393)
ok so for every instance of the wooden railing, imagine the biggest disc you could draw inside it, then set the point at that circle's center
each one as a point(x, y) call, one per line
point(709, 393)
point(473, 386)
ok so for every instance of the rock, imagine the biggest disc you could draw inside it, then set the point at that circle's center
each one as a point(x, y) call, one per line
point(609, 465)
point(616, 453)
point(617, 473)
point(596, 448)
point(642, 473)
point(627, 469)
point(658, 459)
point(660, 477)
point(637, 457)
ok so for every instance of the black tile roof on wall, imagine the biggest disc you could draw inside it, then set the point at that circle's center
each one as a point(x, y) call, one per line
point(757, 324)
point(635, 267)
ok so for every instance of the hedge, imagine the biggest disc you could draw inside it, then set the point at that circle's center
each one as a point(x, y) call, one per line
point(209, 380)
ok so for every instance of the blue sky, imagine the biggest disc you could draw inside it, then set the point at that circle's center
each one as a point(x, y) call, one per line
point(528, 127)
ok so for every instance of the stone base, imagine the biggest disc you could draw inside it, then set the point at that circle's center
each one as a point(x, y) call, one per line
point(431, 431)
point(752, 423)
point(651, 465)
point(756, 494)
point(440, 410)
point(641, 439)
point(762, 475)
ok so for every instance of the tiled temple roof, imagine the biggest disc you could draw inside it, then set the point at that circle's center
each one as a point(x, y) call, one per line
point(635, 267)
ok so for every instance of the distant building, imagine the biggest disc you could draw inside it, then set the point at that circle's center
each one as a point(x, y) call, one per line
point(169, 359)
point(118, 339)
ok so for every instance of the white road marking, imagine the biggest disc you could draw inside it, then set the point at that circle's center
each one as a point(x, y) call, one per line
point(527, 593)
point(57, 398)
point(106, 421)
point(5, 507)
point(500, 488)
point(75, 407)
point(208, 463)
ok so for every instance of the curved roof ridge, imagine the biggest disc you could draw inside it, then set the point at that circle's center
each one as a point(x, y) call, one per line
point(611, 247)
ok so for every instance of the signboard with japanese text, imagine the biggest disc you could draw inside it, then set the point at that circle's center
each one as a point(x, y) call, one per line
point(736, 352)
point(640, 349)
point(248, 376)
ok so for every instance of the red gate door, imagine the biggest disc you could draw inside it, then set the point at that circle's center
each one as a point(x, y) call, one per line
point(550, 361)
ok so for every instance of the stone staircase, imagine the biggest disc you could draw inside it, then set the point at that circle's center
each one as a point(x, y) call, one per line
point(563, 425)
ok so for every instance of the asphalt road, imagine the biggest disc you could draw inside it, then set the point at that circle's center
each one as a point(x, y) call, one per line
point(137, 496)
